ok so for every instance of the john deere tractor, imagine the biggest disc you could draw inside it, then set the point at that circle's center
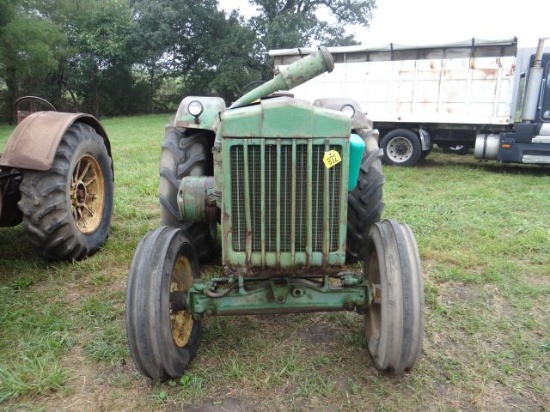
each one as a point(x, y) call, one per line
point(295, 190)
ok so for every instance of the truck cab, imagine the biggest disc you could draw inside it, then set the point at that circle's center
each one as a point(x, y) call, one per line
point(529, 140)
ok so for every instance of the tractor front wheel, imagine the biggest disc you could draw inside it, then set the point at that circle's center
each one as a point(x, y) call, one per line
point(394, 322)
point(162, 340)
point(67, 209)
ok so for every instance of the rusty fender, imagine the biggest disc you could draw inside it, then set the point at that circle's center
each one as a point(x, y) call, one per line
point(34, 141)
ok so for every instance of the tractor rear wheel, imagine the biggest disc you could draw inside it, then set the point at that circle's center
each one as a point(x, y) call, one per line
point(67, 209)
point(365, 204)
point(186, 153)
point(162, 341)
point(394, 322)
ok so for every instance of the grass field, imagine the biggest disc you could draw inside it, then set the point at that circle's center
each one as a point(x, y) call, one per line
point(483, 231)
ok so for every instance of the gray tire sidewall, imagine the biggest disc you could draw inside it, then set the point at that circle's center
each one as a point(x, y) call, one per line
point(394, 327)
point(148, 325)
point(409, 138)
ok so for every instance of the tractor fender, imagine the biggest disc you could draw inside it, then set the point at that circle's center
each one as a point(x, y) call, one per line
point(34, 141)
point(359, 119)
point(208, 119)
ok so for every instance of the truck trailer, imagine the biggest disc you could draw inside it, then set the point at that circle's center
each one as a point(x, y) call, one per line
point(486, 95)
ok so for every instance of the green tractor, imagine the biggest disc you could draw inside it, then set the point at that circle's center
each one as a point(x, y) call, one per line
point(296, 189)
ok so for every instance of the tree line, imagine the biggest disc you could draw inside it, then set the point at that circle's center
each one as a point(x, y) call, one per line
point(122, 57)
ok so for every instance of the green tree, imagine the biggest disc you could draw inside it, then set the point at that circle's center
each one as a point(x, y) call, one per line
point(98, 32)
point(292, 23)
point(29, 49)
point(205, 49)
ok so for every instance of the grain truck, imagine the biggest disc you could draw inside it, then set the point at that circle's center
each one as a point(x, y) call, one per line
point(487, 95)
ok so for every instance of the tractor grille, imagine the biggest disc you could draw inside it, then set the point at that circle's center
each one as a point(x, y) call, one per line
point(283, 197)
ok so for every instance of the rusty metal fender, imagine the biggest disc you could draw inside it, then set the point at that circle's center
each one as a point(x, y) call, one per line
point(34, 141)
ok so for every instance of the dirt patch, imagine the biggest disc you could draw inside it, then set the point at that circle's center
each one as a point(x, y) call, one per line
point(319, 334)
point(224, 405)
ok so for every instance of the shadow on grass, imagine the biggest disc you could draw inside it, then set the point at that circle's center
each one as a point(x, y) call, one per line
point(20, 263)
point(440, 160)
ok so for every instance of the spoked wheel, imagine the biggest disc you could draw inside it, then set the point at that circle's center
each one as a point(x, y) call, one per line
point(394, 323)
point(162, 340)
point(67, 209)
point(87, 194)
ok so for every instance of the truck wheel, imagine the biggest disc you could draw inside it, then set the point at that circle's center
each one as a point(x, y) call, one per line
point(365, 204)
point(162, 342)
point(67, 209)
point(394, 322)
point(401, 148)
point(186, 153)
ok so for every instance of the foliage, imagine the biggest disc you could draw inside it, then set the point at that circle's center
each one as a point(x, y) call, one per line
point(290, 23)
point(98, 32)
point(29, 49)
point(287, 23)
point(195, 42)
point(119, 57)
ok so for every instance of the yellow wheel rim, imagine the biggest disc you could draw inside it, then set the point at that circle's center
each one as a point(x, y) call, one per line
point(87, 194)
point(181, 322)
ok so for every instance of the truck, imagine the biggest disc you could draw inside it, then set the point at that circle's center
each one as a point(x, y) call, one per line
point(295, 191)
point(486, 95)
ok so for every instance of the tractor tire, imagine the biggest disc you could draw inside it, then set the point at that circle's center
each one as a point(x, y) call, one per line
point(162, 342)
point(365, 204)
point(186, 153)
point(67, 209)
point(401, 148)
point(394, 322)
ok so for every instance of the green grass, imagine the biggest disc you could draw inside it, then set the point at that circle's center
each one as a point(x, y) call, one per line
point(484, 239)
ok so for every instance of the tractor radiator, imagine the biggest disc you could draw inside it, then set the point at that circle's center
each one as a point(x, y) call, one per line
point(285, 206)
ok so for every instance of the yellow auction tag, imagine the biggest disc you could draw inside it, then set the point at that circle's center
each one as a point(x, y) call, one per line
point(331, 158)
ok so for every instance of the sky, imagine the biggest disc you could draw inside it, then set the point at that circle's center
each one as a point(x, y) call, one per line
point(443, 21)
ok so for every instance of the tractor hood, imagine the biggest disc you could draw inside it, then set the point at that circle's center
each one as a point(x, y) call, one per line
point(284, 117)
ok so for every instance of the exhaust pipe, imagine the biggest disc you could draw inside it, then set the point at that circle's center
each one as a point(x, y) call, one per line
point(294, 75)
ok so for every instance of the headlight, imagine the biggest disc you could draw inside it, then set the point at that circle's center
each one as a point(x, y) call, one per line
point(195, 108)
point(348, 110)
